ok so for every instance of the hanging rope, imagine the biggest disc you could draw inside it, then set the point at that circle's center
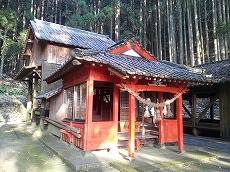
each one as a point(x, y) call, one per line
point(152, 104)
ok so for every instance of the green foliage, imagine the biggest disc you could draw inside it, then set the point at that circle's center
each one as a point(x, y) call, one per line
point(108, 11)
point(7, 19)
point(83, 17)
point(11, 90)
point(13, 48)
point(223, 29)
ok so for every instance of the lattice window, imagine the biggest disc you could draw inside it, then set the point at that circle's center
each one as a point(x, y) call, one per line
point(124, 99)
point(69, 94)
point(80, 91)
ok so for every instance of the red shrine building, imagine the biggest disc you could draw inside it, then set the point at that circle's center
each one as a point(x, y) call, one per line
point(102, 94)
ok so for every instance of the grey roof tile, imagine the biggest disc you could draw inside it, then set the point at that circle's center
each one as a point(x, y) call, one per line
point(133, 66)
point(70, 36)
point(220, 70)
point(50, 93)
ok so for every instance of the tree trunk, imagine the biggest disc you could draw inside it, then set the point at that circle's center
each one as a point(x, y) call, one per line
point(141, 20)
point(144, 24)
point(197, 32)
point(227, 38)
point(185, 36)
point(221, 37)
point(173, 38)
point(214, 30)
point(181, 44)
point(117, 19)
point(169, 33)
point(155, 28)
point(190, 32)
point(201, 36)
point(159, 31)
point(206, 32)
point(3, 54)
point(164, 41)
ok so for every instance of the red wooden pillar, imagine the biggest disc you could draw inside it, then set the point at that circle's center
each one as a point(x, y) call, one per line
point(89, 112)
point(131, 125)
point(115, 113)
point(180, 123)
point(161, 126)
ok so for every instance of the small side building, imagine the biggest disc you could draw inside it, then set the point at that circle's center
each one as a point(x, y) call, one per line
point(47, 47)
point(207, 110)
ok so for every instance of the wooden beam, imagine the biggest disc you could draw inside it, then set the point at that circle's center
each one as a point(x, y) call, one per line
point(158, 88)
point(206, 109)
point(66, 127)
point(118, 73)
point(185, 108)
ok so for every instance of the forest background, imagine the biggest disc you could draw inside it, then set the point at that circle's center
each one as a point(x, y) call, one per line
point(190, 32)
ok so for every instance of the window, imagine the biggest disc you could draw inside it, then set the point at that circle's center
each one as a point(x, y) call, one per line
point(124, 99)
point(69, 92)
point(80, 101)
point(75, 100)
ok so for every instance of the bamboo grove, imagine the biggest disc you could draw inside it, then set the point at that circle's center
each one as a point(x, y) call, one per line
point(190, 32)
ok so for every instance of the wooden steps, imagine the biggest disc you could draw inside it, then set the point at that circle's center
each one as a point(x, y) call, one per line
point(149, 138)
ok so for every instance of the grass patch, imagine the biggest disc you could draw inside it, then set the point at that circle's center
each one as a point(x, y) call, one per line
point(123, 167)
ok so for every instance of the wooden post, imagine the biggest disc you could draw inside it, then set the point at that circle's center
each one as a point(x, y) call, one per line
point(131, 125)
point(89, 112)
point(143, 117)
point(211, 109)
point(29, 101)
point(42, 112)
point(35, 101)
point(161, 127)
point(194, 114)
point(179, 123)
point(115, 114)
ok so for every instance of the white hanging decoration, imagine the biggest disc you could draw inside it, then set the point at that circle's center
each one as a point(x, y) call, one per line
point(165, 110)
point(169, 112)
point(152, 104)
point(146, 114)
point(152, 111)
point(158, 116)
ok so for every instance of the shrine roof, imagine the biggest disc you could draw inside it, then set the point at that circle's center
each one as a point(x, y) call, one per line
point(220, 70)
point(70, 36)
point(133, 67)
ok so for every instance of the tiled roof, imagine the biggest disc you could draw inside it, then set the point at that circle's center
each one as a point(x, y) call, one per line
point(70, 36)
point(25, 72)
point(50, 93)
point(147, 68)
point(220, 70)
point(139, 67)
